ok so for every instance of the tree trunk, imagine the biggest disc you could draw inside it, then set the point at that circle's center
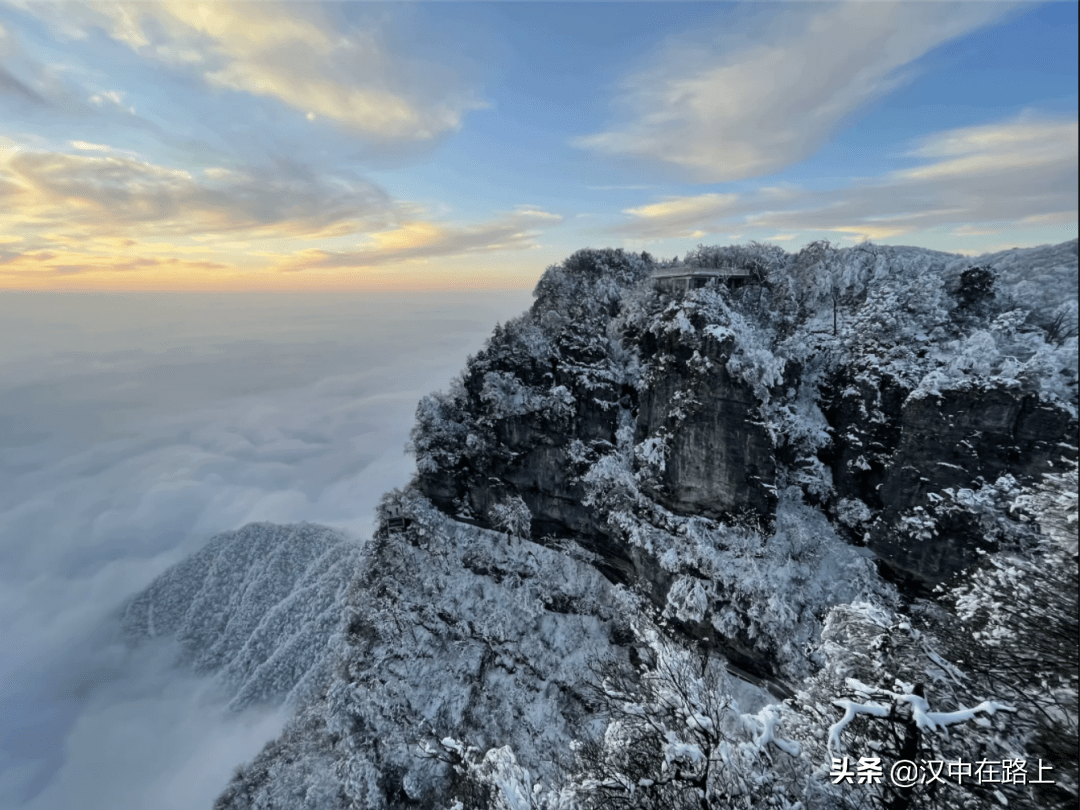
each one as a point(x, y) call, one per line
point(909, 750)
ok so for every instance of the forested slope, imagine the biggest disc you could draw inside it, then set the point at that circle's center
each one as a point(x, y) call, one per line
point(685, 550)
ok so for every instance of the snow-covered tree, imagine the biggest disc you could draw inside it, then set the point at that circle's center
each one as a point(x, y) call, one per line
point(896, 689)
point(898, 744)
point(494, 780)
point(511, 515)
point(442, 432)
point(675, 739)
point(1018, 633)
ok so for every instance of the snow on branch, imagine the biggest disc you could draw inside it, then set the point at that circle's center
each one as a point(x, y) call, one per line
point(921, 715)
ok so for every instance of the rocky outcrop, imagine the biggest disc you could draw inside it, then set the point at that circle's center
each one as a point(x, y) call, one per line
point(446, 630)
point(611, 408)
point(720, 458)
point(719, 461)
point(906, 456)
point(532, 460)
point(747, 462)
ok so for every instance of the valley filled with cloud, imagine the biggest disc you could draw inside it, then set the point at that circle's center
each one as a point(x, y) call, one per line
point(134, 427)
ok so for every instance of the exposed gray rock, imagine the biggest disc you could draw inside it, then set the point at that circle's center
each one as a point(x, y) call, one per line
point(450, 631)
point(735, 457)
point(720, 459)
point(900, 453)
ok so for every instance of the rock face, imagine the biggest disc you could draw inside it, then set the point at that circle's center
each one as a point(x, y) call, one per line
point(720, 457)
point(950, 443)
point(534, 462)
point(732, 468)
point(906, 456)
point(446, 631)
point(706, 403)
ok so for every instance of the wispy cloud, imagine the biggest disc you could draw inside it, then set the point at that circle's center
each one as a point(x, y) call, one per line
point(96, 212)
point(90, 147)
point(995, 149)
point(680, 216)
point(1063, 217)
point(88, 194)
point(745, 106)
point(111, 98)
point(289, 53)
point(975, 230)
point(14, 86)
point(1022, 171)
point(422, 240)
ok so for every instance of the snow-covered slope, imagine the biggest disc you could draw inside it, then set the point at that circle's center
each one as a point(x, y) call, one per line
point(629, 495)
point(451, 631)
point(1040, 278)
point(257, 606)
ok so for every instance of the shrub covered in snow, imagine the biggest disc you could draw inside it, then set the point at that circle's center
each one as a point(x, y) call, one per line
point(473, 673)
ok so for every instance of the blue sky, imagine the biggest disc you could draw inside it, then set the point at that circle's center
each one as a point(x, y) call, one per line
point(256, 145)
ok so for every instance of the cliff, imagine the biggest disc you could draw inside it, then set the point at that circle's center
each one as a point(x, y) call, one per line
point(774, 476)
point(875, 385)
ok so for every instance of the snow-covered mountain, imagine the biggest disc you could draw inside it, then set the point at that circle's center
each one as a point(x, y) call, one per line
point(690, 549)
point(258, 607)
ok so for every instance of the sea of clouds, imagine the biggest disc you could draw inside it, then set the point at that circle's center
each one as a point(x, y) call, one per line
point(133, 427)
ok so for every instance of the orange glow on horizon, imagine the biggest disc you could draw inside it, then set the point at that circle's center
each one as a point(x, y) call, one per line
point(178, 277)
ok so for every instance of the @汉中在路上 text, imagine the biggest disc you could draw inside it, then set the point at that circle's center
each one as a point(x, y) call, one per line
point(906, 772)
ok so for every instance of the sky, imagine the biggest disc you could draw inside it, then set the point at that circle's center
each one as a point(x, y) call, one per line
point(134, 427)
point(453, 145)
point(406, 172)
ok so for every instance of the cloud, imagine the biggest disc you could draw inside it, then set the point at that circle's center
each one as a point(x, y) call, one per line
point(1064, 217)
point(158, 421)
point(679, 216)
point(109, 215)
point(90, 147)
point(12, 85)
point(419, 240)
point(291, 54)
point(537, 213)
point(106, 212)
point(627, 187)
point(975, 230)
point(750, 104)
point(35, 87)
point(84, 194)
point(1017, 172)
point(993, 150)
point(111, 98)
